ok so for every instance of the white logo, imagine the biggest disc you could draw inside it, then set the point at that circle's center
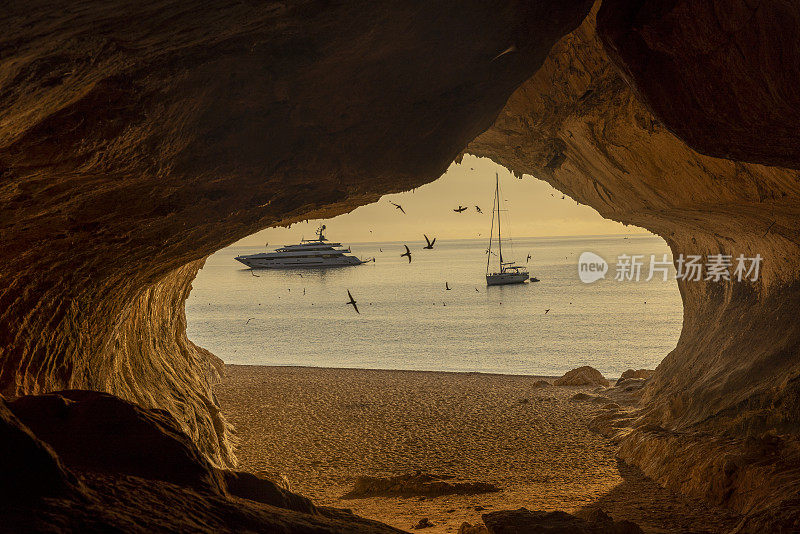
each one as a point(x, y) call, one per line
point(591, 267)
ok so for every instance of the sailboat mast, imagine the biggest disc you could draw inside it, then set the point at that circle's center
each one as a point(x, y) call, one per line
point(499, 239)
point(489, 250)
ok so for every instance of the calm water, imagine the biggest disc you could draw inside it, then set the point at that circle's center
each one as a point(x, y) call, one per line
point(409, 321)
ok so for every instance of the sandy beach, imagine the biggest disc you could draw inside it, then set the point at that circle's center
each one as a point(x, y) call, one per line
point(319, 429)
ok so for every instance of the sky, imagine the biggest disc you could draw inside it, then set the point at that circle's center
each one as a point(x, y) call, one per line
point(533, 209)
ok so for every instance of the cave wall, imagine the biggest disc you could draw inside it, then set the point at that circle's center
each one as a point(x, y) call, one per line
point(137, 138)
point(731, 384)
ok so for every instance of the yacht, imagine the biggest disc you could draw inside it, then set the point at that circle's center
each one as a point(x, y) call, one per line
point(317, 252)
point(508, 272)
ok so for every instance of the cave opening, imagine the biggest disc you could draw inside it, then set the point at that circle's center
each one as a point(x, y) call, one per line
point(438, 374)
point(436, 313)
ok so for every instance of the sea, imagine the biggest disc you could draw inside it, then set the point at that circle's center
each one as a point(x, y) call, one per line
point(409, 320)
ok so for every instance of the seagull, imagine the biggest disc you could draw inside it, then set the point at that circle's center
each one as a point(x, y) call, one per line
point(407, 253)
point(254, 273)
point(547, 310)
point(478, 209)
point(459, 209)
point(447, 286)
point(250, 319)
point(476, 289)
point(398, 206)
point(430, 243)
point(529, 258)
point(353, 302)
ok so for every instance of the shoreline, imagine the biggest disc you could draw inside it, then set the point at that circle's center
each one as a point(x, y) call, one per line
point(612, 379)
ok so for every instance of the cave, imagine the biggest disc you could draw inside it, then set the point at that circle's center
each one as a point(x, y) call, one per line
point(136, 140)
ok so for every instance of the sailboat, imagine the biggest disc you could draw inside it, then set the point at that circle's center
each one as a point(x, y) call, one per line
point(508, 272)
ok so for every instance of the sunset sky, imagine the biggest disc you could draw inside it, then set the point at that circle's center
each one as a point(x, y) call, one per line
point(534, 209)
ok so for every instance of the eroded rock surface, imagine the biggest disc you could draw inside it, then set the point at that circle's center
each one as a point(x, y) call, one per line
point(134, 142)
point(594, 132)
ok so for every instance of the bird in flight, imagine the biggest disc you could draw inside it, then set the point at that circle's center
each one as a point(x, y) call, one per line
point(447, 286)
point(547, 310)
point(430, 243)
point(478, 209)
point(529, 258)
point(250, 319)
point(459, 209)
point(352, 302)
point(407, 253)
point(398, 206)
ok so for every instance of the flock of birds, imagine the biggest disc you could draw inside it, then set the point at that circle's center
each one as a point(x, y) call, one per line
point(428, 246)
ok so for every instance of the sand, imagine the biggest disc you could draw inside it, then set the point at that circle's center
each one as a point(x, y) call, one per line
point(319, 429)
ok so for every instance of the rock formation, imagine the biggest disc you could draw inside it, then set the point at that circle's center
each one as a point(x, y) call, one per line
point(586, 128)
point(635, 374)
point(582, 376)
point(134, 470)
point(135, 141)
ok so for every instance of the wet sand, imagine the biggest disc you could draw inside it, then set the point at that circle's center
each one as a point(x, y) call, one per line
point(321, 428)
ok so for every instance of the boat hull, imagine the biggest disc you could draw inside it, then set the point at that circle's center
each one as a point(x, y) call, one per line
point(300, 263)
point(501, 279)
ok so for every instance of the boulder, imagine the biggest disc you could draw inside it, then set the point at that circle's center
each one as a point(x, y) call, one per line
point(422, 523)
point(582, 376)
point(99, 432)
point(639, 373)
point(254, 488)
point(524, 521)
point(28, 467)
point(541, 384)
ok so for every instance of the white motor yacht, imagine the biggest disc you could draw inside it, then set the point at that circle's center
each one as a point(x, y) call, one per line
point(317, 252)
